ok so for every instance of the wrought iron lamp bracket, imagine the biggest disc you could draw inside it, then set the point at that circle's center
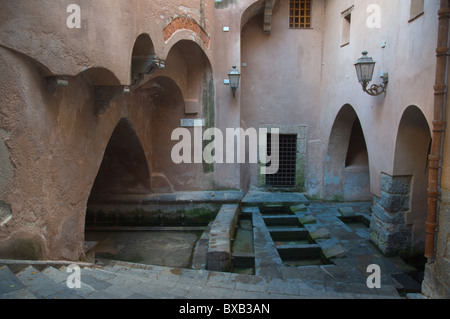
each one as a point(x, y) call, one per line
point(375, 89)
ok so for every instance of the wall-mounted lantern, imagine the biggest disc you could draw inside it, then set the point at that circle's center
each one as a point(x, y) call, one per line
point(234, 77)
point(364, 69)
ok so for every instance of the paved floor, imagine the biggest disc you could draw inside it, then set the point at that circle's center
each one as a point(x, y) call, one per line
point(341, 232)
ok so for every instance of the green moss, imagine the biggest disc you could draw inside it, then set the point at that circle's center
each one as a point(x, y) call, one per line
point(199, 216)
point(315, 197)
point(208, 114)
point(338, 198)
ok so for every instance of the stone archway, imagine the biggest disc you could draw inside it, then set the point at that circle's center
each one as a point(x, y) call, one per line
point(399, 216)
point(347, 164)
point(123, 173)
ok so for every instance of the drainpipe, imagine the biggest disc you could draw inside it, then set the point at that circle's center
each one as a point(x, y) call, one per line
point(435, 157)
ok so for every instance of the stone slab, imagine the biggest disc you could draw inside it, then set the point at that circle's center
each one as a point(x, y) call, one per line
point(334, 252)
point(299, 208)
point(347, 212)
point(218, 257)
point(321, 233)
point(306, 220)
point(9, 281)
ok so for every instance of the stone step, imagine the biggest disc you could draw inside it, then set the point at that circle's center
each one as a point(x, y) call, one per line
point(291, 233)
point(41, 286)
point(298, 252)
point(9, 283)
point(281, 220)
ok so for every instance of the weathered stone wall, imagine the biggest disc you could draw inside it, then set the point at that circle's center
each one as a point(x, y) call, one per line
point(388, 227)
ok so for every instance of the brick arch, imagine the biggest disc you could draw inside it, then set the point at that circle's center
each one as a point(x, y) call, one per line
point(186, 23)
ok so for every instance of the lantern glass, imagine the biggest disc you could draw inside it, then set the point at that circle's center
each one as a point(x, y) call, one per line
point(365, 68)
point(234, 77)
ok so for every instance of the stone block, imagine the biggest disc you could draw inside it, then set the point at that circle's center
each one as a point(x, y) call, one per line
point(387, 217)
point(394, 203)
point(219, 246)
point(395, 184)
point(347, 212)
point(390, 238)
point(334, 252)
point(321, 233)
point(299, 208)
point(309, 219)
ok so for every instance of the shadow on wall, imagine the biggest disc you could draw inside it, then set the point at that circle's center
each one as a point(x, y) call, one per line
point(124, 168)
point(347, 164)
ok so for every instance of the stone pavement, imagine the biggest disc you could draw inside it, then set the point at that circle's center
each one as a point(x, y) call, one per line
point(340, 229)
point(120, 280)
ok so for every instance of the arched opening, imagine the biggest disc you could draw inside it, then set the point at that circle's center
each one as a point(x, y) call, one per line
point(398, 219)
point(143, 59)
point(357, 150)
point(411, 160)
point(183, 96)
point(189, 66)
point(124, 168)
point(347, 165)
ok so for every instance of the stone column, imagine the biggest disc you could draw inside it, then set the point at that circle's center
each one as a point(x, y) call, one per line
point(388, 227)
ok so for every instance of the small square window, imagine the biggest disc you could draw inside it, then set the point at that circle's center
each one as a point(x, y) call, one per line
point(300, 14)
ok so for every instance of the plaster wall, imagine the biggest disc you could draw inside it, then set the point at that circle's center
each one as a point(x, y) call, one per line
point(281, 74)
point(106, 37)
point(55, 145)
point(53, 142)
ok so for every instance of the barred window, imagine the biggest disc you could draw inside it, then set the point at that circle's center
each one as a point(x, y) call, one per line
point(300, 14)
point(287, 160)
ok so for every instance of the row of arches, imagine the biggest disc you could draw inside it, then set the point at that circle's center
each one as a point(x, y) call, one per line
point(140, 165)
point(403, 189)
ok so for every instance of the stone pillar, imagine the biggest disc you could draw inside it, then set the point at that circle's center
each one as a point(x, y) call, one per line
point(388, 227)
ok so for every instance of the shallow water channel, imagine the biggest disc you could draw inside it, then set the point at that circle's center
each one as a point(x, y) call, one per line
point(162, 247)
